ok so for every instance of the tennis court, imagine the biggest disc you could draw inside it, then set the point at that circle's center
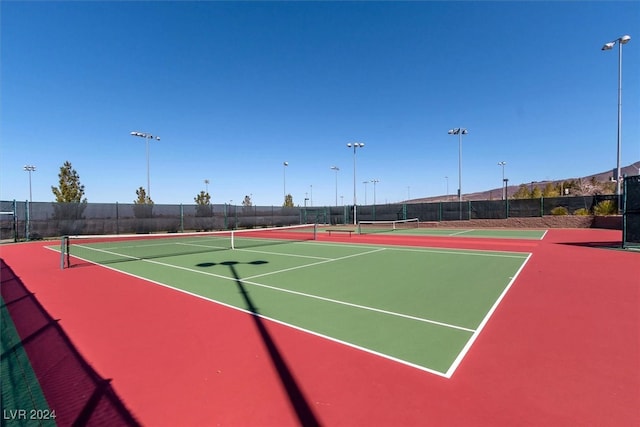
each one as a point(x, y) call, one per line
point(414, 227)
point(346, 329)
point(418, 306)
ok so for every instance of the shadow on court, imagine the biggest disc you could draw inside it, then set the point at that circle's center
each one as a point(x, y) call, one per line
point(296, 397)
point(600, 245)
point(72, 388)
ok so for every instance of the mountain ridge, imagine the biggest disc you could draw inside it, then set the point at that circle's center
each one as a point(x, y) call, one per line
point(496, 193)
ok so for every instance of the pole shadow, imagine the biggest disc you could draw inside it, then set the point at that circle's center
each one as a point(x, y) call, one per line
point(303, 410)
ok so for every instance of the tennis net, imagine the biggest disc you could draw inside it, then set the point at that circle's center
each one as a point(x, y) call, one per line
point(365, 227)
point(106, 249)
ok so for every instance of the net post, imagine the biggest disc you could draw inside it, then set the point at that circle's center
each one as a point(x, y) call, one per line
point(315, 231)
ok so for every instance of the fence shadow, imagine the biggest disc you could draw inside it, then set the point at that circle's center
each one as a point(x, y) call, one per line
point(614, 244)
point(72, 388)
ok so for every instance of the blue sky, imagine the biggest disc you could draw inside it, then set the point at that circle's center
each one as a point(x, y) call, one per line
point(234, 89)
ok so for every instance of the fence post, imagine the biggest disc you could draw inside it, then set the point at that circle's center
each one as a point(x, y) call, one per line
point(15, 221)
point(469, 211)
point(117, 219)
point(181, 218)
point(541, 206)
point(27, 218)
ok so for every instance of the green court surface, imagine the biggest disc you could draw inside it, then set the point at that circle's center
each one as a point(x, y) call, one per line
point(417, 306)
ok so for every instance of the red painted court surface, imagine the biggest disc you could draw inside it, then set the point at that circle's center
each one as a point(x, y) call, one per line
point(562, 348)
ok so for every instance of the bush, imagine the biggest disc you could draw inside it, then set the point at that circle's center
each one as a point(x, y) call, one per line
point(581, 211)
point(605, 207)
point(560, 210)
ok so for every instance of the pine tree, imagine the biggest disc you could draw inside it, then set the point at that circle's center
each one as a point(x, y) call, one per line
point(203, 204)
point(70, 200)
point(143, 205)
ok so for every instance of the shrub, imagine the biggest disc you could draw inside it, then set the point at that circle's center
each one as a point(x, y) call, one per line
point(581, 211)
point(559, 210)
point(605, 207)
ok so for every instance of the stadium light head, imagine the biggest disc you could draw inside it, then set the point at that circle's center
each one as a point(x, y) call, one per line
point(457, 131)
point(608, 46)
point(624, 39)
point(145, 135)
point(355, 144)
point(286, 163)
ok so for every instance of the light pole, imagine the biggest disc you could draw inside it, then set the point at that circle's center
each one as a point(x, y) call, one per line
point(284, 180)
point(375, 181)
point(608, 46)
point(206, 185)
point(355, 145)
point(336, 168)
point(459, 132)
point(503, 181)
point(30, 168)
point(147, 137)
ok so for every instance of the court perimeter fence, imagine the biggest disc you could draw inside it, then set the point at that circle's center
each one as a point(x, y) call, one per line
point(23, 220)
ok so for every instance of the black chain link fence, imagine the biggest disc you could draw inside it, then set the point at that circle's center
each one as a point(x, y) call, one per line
point(24, 220)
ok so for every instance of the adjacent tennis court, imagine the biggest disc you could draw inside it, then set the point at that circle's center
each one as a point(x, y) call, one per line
point(417, 228)
point(418, 306)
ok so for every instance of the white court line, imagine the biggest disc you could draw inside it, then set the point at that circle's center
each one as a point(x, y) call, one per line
point(461, 232)
point(480, 327)
point(476, 252)
point(284, 254)
point(313, 264)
